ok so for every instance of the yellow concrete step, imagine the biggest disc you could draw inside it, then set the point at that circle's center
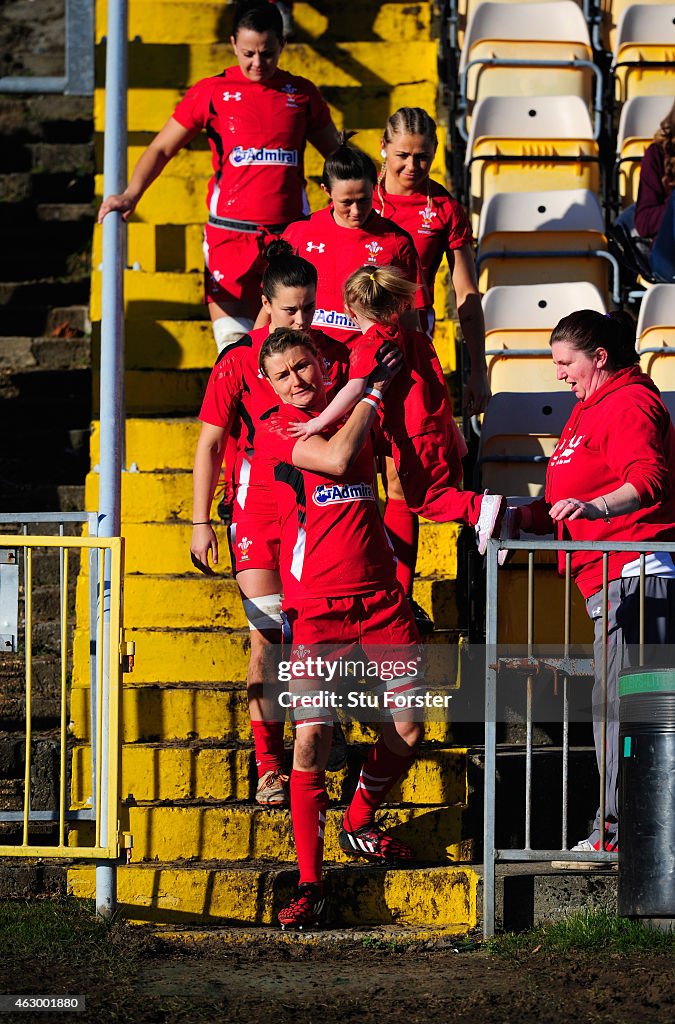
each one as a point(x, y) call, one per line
point(161, 296)
point(155, 772)
point(154, 444)
point(166, 344)
point(200, 21)
point(350, 106)
point(432, 899)
point(206, 711)
point(178, 655)
point(238, 832)
point(160, 392)
point(349, 64)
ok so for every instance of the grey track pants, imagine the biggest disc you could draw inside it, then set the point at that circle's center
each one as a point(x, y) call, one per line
point(623, 637)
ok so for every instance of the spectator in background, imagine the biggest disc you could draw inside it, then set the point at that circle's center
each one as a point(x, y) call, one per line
point(655, 206)
point(611, 477)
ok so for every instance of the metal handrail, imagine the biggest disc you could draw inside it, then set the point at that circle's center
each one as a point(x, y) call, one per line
point(492, 854)
point(78, 79)
point(559, 254)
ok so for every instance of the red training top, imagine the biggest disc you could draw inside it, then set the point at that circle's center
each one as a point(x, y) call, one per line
point(238, 395)
point(257, 132)
point(621, 434)
point(333, 542)
point(436, 222)
point(337, 252)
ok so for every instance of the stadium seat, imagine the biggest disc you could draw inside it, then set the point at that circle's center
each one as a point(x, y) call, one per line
point(513, 42)
point(611, 12)
point(519, 432)
point(518, 324)
point(461, 12)
point(531, 237)
point(640, 118)
point(643, 62)
point(656, 335)
point(518, 144)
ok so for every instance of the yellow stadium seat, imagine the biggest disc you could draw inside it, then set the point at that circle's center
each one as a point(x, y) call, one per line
point(656, 335)
point(531, 237)
point(517, 144)
point(640, 118)
point(643, 62)
point(505, 47)
point(519, 432)
point(518, 324)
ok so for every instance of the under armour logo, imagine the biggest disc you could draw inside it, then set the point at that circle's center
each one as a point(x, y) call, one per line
point(319, 246)
point(231, 96)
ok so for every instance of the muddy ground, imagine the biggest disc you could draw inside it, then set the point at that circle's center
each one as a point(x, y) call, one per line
point(297, 983)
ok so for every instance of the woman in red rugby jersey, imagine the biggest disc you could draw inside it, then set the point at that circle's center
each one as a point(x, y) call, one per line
point(258, 120)
point(438, 226)
point(237, 396)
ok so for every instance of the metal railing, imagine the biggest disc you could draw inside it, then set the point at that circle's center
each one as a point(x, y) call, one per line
point(105, 568)
point(564, 664)
point(78, 79)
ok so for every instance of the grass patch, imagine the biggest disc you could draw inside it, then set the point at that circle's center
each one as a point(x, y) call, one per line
point(594, 931)
point(67, 930)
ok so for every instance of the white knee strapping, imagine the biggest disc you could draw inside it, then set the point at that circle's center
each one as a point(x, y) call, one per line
point(228, 329)
point(263, 613)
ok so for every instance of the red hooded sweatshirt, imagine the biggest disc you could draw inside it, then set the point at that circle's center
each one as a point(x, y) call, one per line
point(621, 434)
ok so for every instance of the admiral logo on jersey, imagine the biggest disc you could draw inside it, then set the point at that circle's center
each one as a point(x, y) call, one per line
point(336, 494)
point(332, 318)
point(240, 156)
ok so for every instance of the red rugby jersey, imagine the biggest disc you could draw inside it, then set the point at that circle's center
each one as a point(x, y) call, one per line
point(333, 542)
point(437, 224)
point(337, 252)
point(417, 401)
point(257, 132)
point(237, 395)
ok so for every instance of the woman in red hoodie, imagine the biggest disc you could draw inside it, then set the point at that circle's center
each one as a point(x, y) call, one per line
point(612, 477)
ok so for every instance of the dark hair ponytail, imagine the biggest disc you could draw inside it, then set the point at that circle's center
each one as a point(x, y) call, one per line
point(259, 16)
point(285, 269)
point(347, 164)
point(587, 331)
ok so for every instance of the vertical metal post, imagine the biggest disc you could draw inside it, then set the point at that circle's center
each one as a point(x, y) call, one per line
point(112, 373)
point(528, 728)
point(79, 48)
point(489, 813)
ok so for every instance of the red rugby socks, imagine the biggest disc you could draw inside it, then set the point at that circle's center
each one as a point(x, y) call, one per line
point(381, 770)
point(402, 526)
point(268, 740)
point(309, 802)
